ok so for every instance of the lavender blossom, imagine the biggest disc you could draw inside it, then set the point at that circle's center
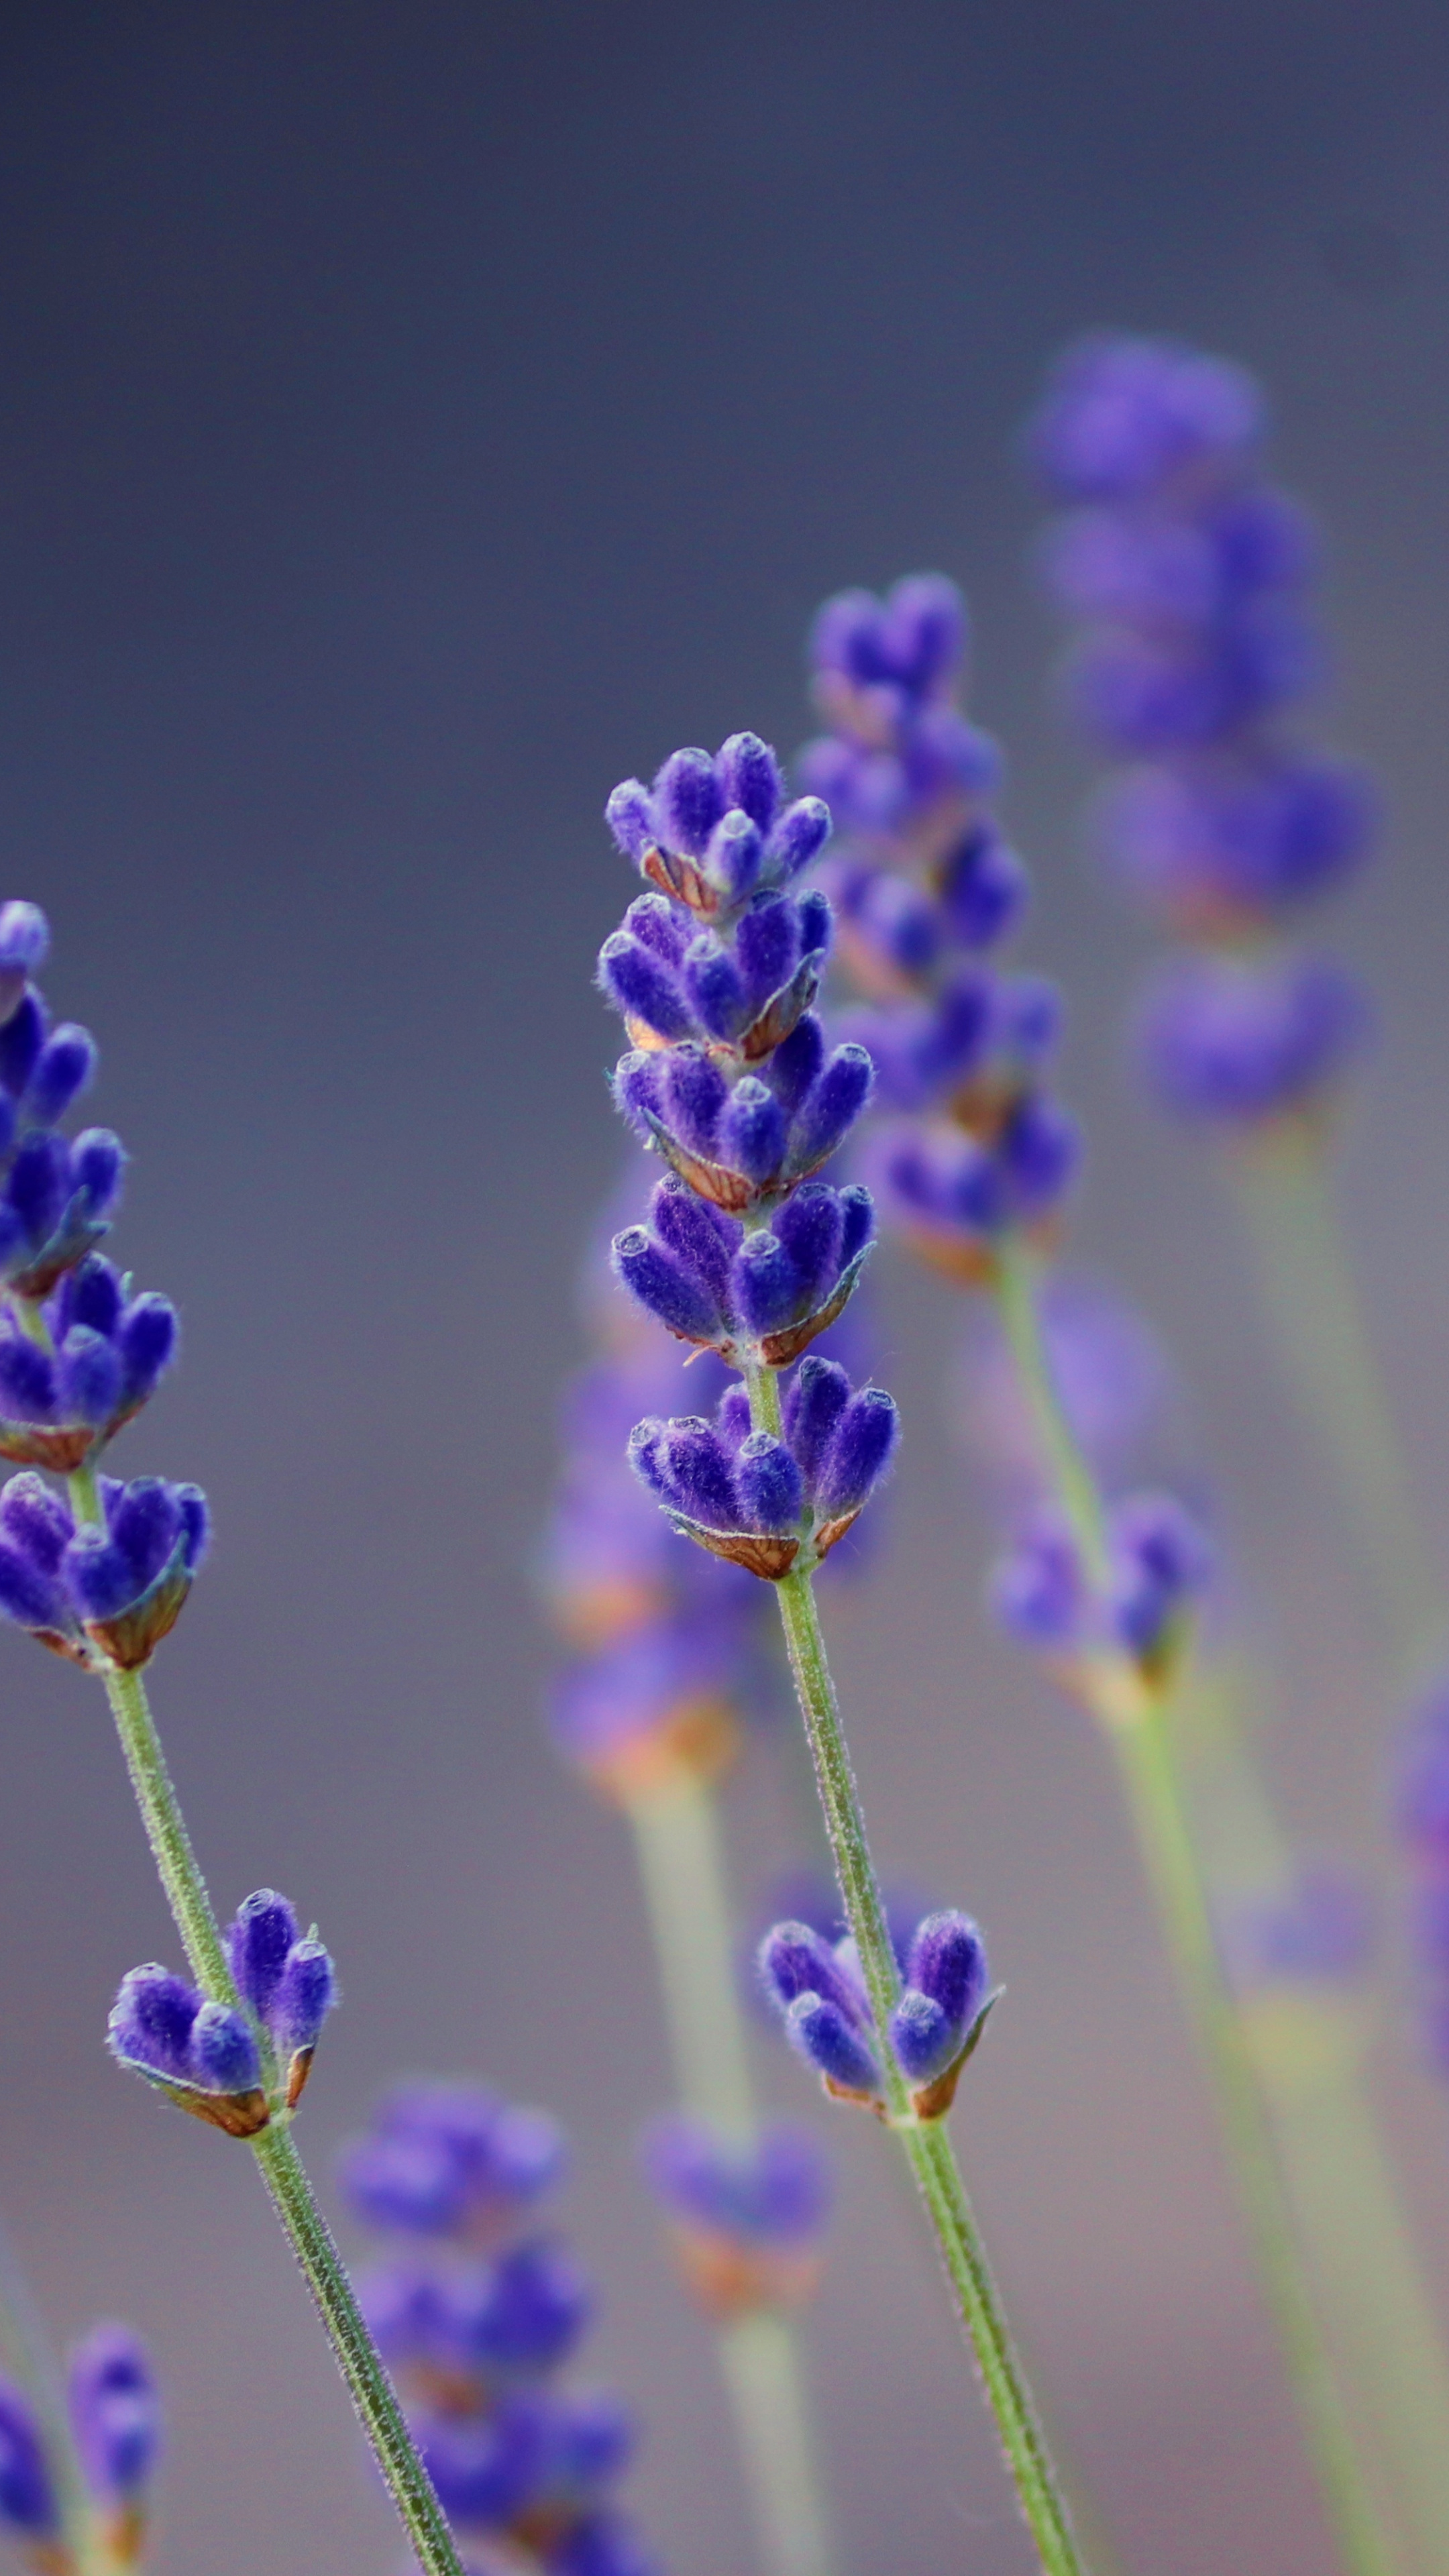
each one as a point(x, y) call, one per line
point(108, 1350)
point(820, 1994)
point(772, 1505)
point(115, 2414)
point(747, 2219)
point(105, 1596)
point(1044, 1592)
point(235, 2069)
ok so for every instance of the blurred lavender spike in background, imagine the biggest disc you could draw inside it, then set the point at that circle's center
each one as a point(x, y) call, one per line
point(477, 2319)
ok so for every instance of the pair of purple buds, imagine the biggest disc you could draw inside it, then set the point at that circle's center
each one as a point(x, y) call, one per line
point(773, 1506)
point(235, 2068)
point(115, 2424)
point(763, 1293)
point(1157, 1563)
point(106, 1353)
point(934, 2027)
point(103, 1596)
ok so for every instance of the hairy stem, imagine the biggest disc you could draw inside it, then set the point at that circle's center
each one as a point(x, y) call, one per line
point(926, 2146)
point(274, 2148)
point(1139, 1727)
point(682, 1867)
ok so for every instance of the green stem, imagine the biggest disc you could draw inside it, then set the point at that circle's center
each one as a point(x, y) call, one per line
point(1154, 1795)
point(682, 1868)
point(274, 2148)
point(925, 2145)
point(1284, 1193)
point(1147, 1762)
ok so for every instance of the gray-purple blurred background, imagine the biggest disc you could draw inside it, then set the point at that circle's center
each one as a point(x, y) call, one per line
point(411, 419)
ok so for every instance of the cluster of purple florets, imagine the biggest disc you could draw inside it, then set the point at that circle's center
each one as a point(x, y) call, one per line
point(817, 1986)
point(747, 2216)
point(971, 1145)
point(98, 1572)
point(477, 2310)
point(1187, 577)
point(114, 2421)
point(731, 1081)
point(239, 2065)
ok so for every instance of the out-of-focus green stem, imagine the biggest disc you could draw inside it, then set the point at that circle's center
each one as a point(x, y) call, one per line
point(1140, 1728)
point(1284, 1189)
point(682, 1868)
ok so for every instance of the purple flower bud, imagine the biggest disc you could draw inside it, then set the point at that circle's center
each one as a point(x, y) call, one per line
point(533, 2303)
point(63, 1068)
point(146, 1342)
point(37, 1185)
point(768, 1486)
point(832, 1107)
point(752, 1132)
point(223, 2053)
point(749, 777)
point(258, 1942)
point(662, 1284)
point(1160, 1560)
point(24, 938)
point(35, 1520)
point(698, 1469)
point(810, 1232)
point(775, 2192)
point(861, 1448)
point(734, 857)
point(115, 2414)
point(817, 1398)
point(767, 944)
point(27, 1380)
point(630, 817)
point(91, 1295)
point(602, 2544)
point(767, 1285)
point(947, 1961)
point(796, 1063)
point(696, 1097)
point(97, 1161)
point(688, 802)
point(795, 1959)
point(29, 2507)
point(982, 887)
point(151, 2022)
point(716, 990)
point(642, 987)
point(820, 2033)
point(306, 1993)
point(89, 1377)
point(1039, 1588)
point(798, 837)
